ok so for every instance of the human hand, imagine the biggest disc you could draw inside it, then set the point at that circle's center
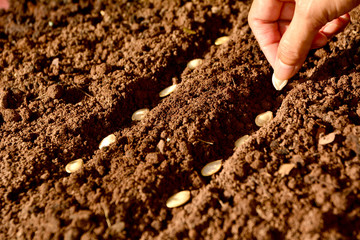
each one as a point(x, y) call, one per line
point(286, 29)
point(4, 4)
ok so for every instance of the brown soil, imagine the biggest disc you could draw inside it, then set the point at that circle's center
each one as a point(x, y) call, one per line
point(73, 72)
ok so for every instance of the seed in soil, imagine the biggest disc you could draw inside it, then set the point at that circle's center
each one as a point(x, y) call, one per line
point(107, 141)
point(140, 114)
point(277, 83)
point(323, 140)
point(194, 63)
point(285, 169)
point(222, 40)
point(167, 91)
point(74, 166)
point(178, 199)
point(263, 118)
point(241, 140)
point(189, 31)
point(211, 168)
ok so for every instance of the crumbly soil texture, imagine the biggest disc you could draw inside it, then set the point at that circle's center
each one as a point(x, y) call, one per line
point(74, 71)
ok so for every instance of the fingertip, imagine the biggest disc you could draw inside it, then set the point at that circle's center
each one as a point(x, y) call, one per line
point(345, 18)
point(284, 71)
point(4, 4)
point(319, 41)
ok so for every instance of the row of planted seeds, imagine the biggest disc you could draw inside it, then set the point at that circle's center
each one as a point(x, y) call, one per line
point(211, 168)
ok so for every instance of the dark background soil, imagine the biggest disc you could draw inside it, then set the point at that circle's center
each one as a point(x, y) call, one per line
point(73, 72)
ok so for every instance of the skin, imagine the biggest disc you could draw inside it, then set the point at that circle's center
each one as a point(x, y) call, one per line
point(286, 30)
point(4, 4)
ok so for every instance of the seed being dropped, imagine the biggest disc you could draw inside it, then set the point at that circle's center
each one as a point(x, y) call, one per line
point(285, 169)
point(241, 140)
point(222, 40)
point(140, 114)
point(168, 90)
point(211, 168)
point(323, 140)
point(74, 166)
point(178, 199)
point(277, 83)
point(107, 141)
point(194, 63)
point(263, 118)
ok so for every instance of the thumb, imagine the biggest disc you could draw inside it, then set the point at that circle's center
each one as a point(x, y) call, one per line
point(294, 47)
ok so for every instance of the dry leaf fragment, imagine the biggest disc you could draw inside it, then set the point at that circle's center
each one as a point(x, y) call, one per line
point(326, 139)
point(285, 169)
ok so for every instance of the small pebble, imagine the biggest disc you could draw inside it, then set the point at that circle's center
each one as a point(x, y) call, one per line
point(74, 166)
point(55, 91)
point(11, 115)
point(263, 118)
point(140, 114)
point(167, 91)
point(211, 168)
point(194, 63)
point(107, 141)
point(178, 199)
point(215, 9)
point(161, 146)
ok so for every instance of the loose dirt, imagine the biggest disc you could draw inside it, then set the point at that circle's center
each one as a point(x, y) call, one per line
point(74, 72)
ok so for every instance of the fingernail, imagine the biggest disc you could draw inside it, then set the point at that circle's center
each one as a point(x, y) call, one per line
point(282, 70)
point(278, 84)
point(345, 17)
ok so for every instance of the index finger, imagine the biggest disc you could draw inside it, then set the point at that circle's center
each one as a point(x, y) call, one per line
point(263, 19)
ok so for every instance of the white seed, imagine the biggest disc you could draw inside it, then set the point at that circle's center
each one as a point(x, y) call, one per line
point(50, 23)
point(277, 83)
point(241, 140)
point(263, 118)
point(222, 40)
point(178, 199)
point(107, 141)
point(140, 114)
point(211, 168)
point(323, 140)
point(285, 169)
point(168, 90)
point(74, 166)
point(194, 63)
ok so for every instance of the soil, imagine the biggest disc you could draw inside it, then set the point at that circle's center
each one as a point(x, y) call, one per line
point(73, 72)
